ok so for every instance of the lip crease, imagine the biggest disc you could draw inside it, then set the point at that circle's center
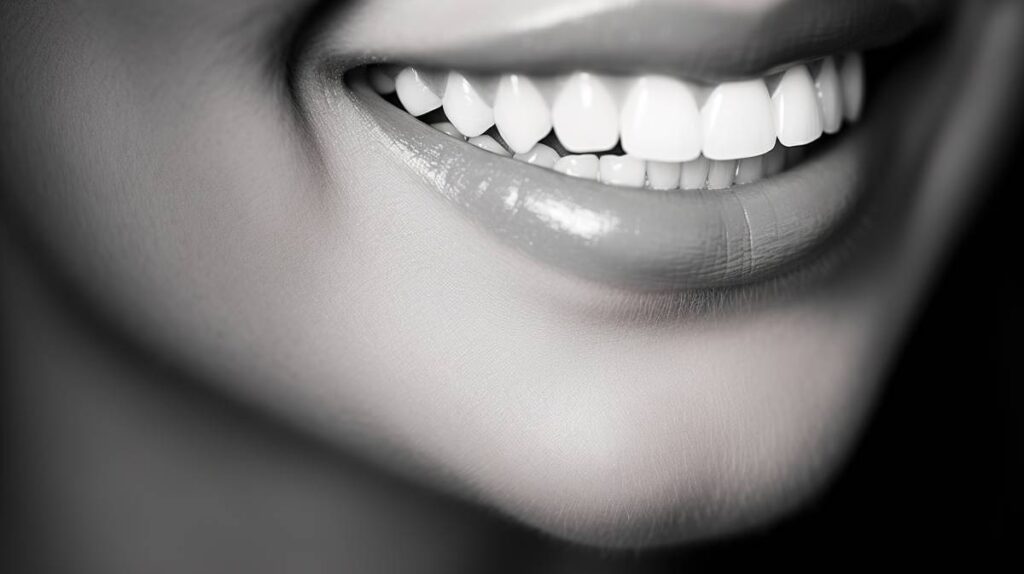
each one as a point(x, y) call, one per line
point(639, 239)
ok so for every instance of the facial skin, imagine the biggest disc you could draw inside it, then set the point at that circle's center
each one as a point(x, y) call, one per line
point(155, 160)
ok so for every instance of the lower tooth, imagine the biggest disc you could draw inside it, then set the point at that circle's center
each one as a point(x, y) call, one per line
point(750, 170)
point(582, 166)
point(721, 174)
point(622, 170)
point(540, 155)
point(663, 175)
point(490, 144)
point(694, 173)
point(447, 128)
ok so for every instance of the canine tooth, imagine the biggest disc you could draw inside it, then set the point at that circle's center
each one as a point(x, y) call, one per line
point(539, 154)
point(415, 92)
point(795, 107)
point(664, 174)
point(490, 144)
point(465, 107)
point(583, 166)
point(851, 75)
point(721, 174)
point(694, 173)
point(774, 160)
point(520, 112)
point(585, 115)
point(750, 169)
point(622, 170)
point(381, 80)
point(830, 96)
point(737, 121)
point(660, 120)
point(448, 128)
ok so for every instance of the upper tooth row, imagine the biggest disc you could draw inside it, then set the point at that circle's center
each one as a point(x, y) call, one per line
point(657, 118)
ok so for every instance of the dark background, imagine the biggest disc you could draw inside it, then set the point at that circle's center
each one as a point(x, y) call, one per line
point(933, 482)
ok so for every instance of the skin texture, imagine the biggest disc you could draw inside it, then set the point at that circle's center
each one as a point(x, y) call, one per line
point(156, 165)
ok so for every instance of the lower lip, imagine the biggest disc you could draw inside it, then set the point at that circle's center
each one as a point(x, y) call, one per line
point(638, 239)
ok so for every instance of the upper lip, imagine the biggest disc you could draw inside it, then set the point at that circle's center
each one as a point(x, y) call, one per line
point(633, 238)
point(709, 40)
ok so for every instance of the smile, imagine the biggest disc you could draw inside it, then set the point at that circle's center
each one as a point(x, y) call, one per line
point(712, 177)
point(650, 131)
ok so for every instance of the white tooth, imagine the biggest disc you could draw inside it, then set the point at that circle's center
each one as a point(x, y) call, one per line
point(415, 92)
point(622, 170)
point(539, 154)
point(465, 107)
point(774, 160)
point(852, 77)
point(660, 120)
point(737, 121)
point(585, 115)
point(694, 173)
point(664, 174)
point(830, 96)
point(795, 106)
point(750, 170)
point(521, 113)
point(584, 166)
point(449, 129)
point(490, 144)
point(382, 80)
point(721, 174)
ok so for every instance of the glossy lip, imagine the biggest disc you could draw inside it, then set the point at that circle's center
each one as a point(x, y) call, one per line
point(637, 239)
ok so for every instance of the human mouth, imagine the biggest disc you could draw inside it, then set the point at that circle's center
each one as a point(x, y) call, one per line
point(651, 180)
point(651, 131)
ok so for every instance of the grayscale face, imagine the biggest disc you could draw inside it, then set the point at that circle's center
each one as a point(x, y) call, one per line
point(614, 356)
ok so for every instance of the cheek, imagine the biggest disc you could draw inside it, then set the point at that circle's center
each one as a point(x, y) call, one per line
point(175, 197)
